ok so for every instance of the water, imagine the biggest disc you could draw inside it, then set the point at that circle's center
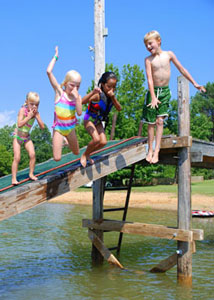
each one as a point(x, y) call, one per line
point(45, 254)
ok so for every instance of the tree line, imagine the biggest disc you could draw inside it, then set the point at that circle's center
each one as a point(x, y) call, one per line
point(131, 91)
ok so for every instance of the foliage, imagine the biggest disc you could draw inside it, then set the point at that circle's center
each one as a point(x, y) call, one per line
point(5, 161)
point(42, 143)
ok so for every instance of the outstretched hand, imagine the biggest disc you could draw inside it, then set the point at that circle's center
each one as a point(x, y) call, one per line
point(201, 88)
point(56, 51)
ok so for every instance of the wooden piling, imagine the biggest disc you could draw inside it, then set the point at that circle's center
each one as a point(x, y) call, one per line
point(98, 193)
point(184, 261)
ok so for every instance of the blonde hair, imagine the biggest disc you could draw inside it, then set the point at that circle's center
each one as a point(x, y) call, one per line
point(71, 76)
point(32, 96)
point(152, 35)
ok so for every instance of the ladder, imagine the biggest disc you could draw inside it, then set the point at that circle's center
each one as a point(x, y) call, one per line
point(124, 209)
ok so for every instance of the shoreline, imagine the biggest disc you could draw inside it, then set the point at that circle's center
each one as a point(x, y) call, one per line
point(160, 201)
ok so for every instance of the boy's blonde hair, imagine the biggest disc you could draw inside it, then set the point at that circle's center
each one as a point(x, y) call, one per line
point(32, 96)
point(71, 76)
point(152, 35)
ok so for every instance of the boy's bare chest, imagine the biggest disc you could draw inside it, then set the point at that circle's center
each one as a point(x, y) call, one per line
point(160, 62)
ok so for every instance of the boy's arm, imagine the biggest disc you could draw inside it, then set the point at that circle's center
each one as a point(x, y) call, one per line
point(184, 72)
point(155, 101)
point(51, 76)
point(39, 120)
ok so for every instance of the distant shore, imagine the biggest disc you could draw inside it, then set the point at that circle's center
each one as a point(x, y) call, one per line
point(163, 201)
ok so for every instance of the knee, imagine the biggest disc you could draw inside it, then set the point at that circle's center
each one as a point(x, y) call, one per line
point(103, 143)
point(96, 140)
point(16, 159)
point(76, 152)
point(159, 122)
point(32, 156)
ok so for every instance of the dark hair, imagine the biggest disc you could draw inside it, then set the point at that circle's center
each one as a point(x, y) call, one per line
point(106, 76)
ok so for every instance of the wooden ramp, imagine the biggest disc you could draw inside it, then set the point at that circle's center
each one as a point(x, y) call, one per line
point(24, 197)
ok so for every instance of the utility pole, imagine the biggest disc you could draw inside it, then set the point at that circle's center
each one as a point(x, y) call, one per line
point(100, 32)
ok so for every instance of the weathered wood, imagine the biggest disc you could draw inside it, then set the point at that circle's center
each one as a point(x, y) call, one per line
point(184, 264)
point(27, 196)
point(165, 264)
point(98, 194)
point(97, 242)
point(176, 142)
point(154, 230)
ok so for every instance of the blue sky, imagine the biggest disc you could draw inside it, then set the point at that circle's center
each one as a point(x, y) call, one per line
point(30, 30)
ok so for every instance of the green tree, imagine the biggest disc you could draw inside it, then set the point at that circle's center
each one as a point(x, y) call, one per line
point(5, 161)
point(42, 143)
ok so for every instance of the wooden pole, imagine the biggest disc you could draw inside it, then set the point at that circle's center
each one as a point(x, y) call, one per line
point(184, 264)
point(114, 120)
point(98, 192)
point(100, 32)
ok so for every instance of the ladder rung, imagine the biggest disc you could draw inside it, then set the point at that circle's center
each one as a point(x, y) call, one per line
point(113, 248)
point(113, 209)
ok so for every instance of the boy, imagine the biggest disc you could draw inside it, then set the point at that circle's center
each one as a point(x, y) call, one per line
point(157, 99)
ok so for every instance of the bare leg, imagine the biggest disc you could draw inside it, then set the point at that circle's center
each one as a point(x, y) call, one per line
point(159, 133)
point(151, 129)
point(16, 160)
point(57, 145)
point(73, 142)
point(95, 144)
point(31, 152)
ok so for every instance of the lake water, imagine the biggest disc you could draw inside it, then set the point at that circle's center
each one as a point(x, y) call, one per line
point(45, 254)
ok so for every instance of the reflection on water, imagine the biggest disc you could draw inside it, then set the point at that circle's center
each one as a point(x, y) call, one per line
point(45, 254)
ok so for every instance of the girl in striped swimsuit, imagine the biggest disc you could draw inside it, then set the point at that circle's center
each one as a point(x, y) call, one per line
point(67, 102)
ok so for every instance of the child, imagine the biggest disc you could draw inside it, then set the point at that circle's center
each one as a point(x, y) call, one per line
point(101, 100)
point(26, 117)
point(67, 101)
point(157, 99)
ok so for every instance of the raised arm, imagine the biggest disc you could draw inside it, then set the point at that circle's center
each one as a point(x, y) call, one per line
point(184, 72)
point(51, 77)
point(114, 100)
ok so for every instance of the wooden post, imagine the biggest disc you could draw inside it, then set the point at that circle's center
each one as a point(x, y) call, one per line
point(98, 192)
point(100, 32)
point(114, 120)
point(184, 264)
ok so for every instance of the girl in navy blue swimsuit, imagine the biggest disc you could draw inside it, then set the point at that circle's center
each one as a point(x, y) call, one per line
point(100, 100)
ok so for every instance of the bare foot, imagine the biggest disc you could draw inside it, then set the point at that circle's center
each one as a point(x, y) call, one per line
point(155, 158)
point(15, 182)
point(32, 177)
point(83, 160)
point(149, 156)
point(90, 160)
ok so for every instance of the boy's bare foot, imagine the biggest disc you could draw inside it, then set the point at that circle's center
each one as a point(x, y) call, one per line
point(149, 156)
point(15, 182)
point(32, 177)
point(83, 160)
point(155, 158)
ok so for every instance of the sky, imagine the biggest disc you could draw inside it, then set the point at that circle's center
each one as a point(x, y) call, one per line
point(30, 30)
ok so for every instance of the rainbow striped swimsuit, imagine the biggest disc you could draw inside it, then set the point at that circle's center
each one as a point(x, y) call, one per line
point(64, 116)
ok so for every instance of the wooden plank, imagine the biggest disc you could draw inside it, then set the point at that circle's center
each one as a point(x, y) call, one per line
point(103, 250)
point(165, 264)
point(176, 142)
point(141, 229)
point(32, 194)
point(184, 265)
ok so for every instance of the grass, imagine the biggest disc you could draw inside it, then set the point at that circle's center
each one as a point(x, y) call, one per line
point(205, 187)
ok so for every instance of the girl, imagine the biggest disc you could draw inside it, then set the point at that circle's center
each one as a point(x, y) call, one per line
point(67, 100)
point(26, 117)
point(100, 100)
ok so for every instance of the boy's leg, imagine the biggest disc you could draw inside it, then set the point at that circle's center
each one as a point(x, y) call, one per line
point(31, 152)
point(57, 145)
point(159, 133)
point(73, 142)
point(92, 130)
point(16, 160)
point(151, 129)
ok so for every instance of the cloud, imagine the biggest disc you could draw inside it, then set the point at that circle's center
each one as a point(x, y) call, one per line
point(7, 118)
